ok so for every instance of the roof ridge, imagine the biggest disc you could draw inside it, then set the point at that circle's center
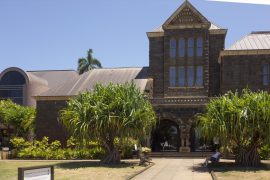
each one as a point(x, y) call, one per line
point(260, 32)
point(119, 67)
point(242, 38)
point(51, 70)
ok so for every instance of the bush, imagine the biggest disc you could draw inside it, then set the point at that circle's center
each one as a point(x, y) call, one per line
point(45, 150)
point(265, 152)
point(127, 148)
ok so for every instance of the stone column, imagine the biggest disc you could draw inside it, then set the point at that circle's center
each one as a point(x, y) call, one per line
point(184, 133)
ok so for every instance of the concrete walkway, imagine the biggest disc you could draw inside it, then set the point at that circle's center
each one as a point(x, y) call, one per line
point(172, 169)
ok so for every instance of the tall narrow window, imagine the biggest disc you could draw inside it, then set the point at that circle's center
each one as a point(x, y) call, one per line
point(172, 76)
point(181, 47)
point(182, 76)
point(190, 47)
point(172, 48)
point(265, 74)
point(199, 47)
point(190, 76)
point(199, 76)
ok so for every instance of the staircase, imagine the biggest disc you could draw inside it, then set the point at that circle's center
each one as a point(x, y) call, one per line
point(180, 154)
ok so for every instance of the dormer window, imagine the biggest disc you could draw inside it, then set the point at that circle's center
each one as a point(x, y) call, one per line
point(181, 47)
point(190, 47)
point(199, 47)
point(172, 48)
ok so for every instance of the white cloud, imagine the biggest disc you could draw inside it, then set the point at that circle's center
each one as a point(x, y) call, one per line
point(266, 2)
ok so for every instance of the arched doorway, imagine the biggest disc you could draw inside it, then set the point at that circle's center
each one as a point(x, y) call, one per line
point(166, 137)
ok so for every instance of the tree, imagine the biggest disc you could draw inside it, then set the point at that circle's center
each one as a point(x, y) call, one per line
point(109, 115)
point(88, 63)
point(242, 123)
point(21, 118)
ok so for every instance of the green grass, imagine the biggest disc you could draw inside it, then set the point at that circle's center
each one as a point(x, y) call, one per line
point(73, 170)
point(227, 170)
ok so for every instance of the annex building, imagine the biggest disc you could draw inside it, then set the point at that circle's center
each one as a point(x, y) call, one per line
point(188, 66)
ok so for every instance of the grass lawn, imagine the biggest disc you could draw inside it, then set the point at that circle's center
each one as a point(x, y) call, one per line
point(227, 170)
point(74, 170)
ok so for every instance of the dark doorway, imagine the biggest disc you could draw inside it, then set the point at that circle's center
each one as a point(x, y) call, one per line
point(166, 137)
point(198, 143)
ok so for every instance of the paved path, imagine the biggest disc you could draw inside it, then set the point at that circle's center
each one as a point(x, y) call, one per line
point(172, 169)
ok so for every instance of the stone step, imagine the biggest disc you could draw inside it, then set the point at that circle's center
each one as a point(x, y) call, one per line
point(180, 154)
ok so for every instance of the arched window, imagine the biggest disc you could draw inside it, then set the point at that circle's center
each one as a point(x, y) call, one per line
point(172, 48)
point(265, 74)
point(199, 76)
point(199, 47)
point(11, 86)
point(181, 47)
point(190, 76)
point(182, 76)
point(172, 76)
point(190, 47)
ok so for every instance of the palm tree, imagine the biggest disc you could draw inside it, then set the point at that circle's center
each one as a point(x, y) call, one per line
point(242, 123)
point(88, 63)
point(108, 115)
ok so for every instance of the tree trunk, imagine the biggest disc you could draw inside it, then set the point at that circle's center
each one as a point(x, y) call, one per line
point(248, 157)
point(113, 157)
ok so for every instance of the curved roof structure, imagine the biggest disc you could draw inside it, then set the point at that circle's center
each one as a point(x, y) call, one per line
point(253, 41)
point(88, 80)
point(36, 83)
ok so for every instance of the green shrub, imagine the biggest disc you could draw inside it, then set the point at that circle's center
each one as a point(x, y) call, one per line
point(45, 150)
point(127, 148)
point(265, 152)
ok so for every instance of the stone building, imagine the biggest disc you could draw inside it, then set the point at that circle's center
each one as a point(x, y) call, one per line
point(188, 65)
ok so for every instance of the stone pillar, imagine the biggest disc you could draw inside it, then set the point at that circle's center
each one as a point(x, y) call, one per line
point(184, 133)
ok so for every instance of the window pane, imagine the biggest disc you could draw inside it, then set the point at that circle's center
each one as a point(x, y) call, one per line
point(190, 74)
point(199, 76)
point(266, 74)
point(199, 47)
point(190, 47)
point(172, 76)
point(172, 48)
point(182, 47)
point(182, 76)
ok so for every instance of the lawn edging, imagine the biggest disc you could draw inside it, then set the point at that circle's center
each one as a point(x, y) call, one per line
point(213, 175)
point(141, 171)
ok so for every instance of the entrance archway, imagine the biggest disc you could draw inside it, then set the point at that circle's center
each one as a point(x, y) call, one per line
point(166, 137)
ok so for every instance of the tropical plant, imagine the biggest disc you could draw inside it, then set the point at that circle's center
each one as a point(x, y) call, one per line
point(21, 118)
point(44, 150)
point(88, 63)
point(242, 123)
point(109, 114)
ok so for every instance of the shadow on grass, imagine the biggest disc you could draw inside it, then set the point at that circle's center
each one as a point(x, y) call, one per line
point(231, 166)
point(199, 168)
point(87, 164)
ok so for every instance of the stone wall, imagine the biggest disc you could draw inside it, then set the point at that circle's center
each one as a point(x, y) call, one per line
point(241, 71)
point(216, 44)
point(156, 57)
point(47, 123)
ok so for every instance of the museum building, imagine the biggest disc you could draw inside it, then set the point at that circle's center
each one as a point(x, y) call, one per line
point(188, 66)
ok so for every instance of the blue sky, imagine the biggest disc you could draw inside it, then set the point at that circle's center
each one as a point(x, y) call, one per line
point(53, 34)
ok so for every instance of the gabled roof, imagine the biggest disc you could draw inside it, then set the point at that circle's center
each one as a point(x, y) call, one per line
point(198, 21)
point(88, 80)
point(253, 41)
point(187, 10)
point(213, 26)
